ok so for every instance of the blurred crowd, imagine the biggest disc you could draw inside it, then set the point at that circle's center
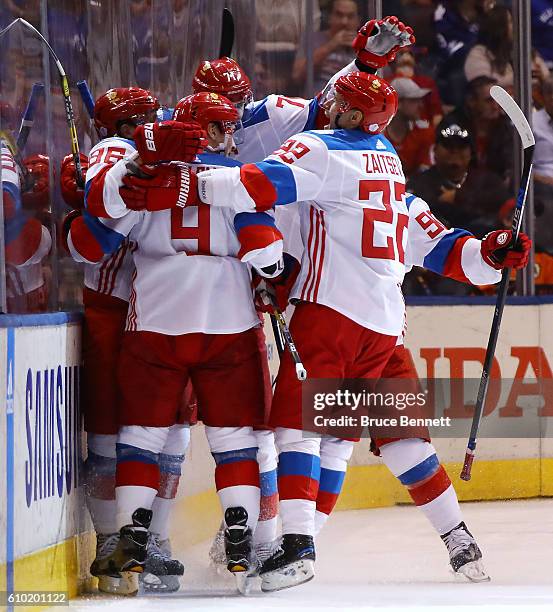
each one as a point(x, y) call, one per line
point(456, 146)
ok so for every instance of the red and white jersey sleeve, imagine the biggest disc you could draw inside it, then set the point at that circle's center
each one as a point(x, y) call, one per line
point(450, 252)
point(354, 218)
point(104, 177)
point(272, 121)
point(276, 118)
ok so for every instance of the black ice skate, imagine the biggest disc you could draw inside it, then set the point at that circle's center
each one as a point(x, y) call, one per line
point(161, 571)
point(464, 555)
point(238, 548)
point(128, 556)
point(292, 564)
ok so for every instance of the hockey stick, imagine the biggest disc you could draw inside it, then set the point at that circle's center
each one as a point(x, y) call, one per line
point(24, 129)
point(29, 116)
point(515, 114)
point(301, 372)
point(66, 96)
point(227, 34)
point(87, 98)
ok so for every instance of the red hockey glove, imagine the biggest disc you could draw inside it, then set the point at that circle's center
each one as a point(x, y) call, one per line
point(276, 291)
point(497, 254)
point(66, 226)
point(167, 186)
point(377, 42)
point(169, 141)
point(72, 194)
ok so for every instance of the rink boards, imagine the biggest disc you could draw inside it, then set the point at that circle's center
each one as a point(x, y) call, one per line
point(45, 528)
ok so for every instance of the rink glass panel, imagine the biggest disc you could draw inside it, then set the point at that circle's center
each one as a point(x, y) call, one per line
point(156, 44)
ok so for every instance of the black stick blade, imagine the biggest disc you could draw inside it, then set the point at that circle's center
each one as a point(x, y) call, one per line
point(227, 34)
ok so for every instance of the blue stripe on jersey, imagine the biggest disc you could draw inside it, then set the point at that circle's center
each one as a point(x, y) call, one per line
point(311, 118)
point(299, 464)
point(409, 199)
point(421, 471)
point(217, 159)
point(331, 481)
point(246, 219)
point(257, 113)
point(282, 178)
point(14, 226)
point(108, 239)
point(356, 140)
point(14, 191)
point(435, 260)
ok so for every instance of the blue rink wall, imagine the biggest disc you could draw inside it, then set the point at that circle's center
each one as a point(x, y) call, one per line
point(46, 541)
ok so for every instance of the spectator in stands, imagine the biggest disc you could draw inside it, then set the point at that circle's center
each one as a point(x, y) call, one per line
point(405, 66)
point(279, 32)
point(543, 169)
point(411, 136)
point(491, 56)
point(456, 23)
point(491, 133)
point(460, 195)
point(332, 47)
point(542, 29)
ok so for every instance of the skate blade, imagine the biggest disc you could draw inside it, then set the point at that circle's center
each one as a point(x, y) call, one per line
point(291, 575)
point(160, 584)
point(126, 584)
point(473, 572)
point(245, 582)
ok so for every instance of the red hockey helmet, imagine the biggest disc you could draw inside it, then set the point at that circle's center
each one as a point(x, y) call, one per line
point(123, 103)
point(225, 77)
point(204, 108)
point(376, 98)
point(37, 196)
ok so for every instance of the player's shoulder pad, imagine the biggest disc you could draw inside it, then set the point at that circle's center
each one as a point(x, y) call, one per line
point(412, 200)
point(114, 141)
point(353, 140)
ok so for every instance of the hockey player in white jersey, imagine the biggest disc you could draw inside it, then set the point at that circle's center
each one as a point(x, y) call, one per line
point(27, 241)
point(204, 329)
point(266, 124)
point(106, 297)
point(356, 223)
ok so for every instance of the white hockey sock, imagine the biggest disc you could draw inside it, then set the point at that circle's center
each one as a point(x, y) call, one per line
point(129, 498)
point(162, 514)
point(320, 521)
point(266, 531)
point(443, 512)
point(102, 512)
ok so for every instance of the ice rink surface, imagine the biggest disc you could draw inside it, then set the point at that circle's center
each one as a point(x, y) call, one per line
point(386, 559)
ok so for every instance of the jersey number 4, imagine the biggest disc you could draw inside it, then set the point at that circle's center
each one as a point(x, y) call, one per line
point(192, 223)
point(373, 215)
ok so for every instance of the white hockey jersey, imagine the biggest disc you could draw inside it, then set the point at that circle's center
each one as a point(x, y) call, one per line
point(353, 218)
point(360, 233)
point(188, 276)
